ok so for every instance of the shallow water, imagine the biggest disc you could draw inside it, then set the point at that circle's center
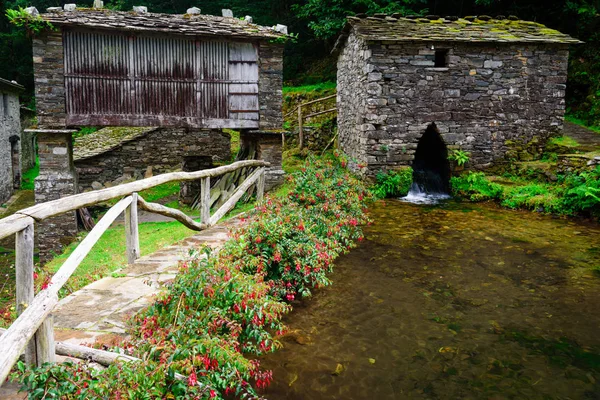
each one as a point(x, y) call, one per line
point(451, 301)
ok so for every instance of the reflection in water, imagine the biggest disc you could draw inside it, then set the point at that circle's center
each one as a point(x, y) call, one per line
point(451, 302)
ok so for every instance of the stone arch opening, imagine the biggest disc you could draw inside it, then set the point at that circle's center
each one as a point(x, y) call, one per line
point(431, 169)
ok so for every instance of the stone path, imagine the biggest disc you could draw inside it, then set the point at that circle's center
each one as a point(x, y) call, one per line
point(588, 140)
point(100, 310)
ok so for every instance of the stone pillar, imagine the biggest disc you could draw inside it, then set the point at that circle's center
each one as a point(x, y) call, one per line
point(267, 146)
point(57, 179)
point(189, 189)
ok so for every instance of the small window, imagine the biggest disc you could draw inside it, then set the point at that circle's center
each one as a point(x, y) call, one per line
point(441, 58)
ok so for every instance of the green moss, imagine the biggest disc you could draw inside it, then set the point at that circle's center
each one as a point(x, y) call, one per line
point(28, 178)
point(319, 87)
point(548, 31)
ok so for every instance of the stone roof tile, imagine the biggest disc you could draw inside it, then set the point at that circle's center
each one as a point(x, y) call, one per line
point(452, 29)
point(184, 24)
point(106, 139)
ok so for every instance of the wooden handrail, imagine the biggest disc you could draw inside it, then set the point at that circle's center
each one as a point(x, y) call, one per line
point(39, 212)
point(35, 319)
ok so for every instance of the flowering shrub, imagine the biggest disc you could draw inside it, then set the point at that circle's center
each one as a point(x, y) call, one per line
point(224, 307)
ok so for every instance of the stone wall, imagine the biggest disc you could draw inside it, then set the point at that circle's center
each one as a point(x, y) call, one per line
point(491, 100)
point(28, 139)
point(161, 149)
point(10, 132)
point(270, 82)
point(49, 76)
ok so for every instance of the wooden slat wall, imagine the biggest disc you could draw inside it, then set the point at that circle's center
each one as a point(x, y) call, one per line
point(122, 78)
point(243, 67)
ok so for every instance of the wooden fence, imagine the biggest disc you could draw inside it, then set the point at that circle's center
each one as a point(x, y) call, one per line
point(32, 333)
point(302, 117)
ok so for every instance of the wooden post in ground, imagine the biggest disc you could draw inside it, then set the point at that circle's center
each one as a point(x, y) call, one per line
point(44, 342)
point(132, 235)
point(300, 128)
point(205, 201)
point(260, 186)
point(24, 280)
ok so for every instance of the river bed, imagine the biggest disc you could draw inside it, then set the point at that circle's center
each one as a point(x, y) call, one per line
point(454, 301)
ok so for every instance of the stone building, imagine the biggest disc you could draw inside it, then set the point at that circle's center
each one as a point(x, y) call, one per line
point(197, 72)
point(10, 139)
point(115, 155)
point(411, 88)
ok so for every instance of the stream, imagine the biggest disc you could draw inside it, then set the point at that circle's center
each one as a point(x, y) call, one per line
point(451, 301)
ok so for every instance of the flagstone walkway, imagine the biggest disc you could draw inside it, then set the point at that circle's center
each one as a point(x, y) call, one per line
point(100, 310)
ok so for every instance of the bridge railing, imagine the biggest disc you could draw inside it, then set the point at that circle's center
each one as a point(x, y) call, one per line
point(32, 333)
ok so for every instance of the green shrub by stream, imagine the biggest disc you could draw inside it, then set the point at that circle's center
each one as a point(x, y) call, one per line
point(573, 194)
point(223, 310)
point(395, 183)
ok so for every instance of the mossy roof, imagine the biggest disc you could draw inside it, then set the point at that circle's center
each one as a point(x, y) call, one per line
point(106, 139)
point(183, 24)
point(452, 29)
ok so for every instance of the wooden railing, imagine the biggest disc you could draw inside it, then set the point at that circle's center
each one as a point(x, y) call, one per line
point(32, 333)
point(301, 117)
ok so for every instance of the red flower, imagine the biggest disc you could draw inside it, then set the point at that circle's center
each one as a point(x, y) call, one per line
point(192, 379)
point(277, 257)
point(301, 226)
point(213, 394)
point(258, 239)
point(35, 275)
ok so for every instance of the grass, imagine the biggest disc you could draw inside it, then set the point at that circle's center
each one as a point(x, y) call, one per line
point(28, 177)
point(319, 87)
point(578, 121)
point(565, 141)
point(108, 255)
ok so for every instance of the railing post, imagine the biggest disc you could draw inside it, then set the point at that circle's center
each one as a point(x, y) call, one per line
point(260, 186)
point(24, 280)
point(132, 236)
point(300, 128)
point(44, 342)
point(205, 200)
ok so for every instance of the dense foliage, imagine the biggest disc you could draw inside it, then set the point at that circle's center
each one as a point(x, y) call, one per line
point(318, 22)
point(223, 310)
point(572, 194)
point(393, 183)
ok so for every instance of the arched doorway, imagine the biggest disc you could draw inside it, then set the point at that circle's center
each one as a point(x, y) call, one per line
point(431, 169)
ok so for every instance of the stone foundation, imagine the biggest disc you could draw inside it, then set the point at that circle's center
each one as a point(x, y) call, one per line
point(267, 146)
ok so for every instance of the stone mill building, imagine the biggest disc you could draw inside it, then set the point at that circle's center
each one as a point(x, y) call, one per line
point(192, 74)
point(410, 89)
point(10, 138)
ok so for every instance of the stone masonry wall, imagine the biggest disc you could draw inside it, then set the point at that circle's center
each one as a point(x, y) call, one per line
point(491, 100)
point(9, 127)
point(162, 149)
point(352, 97)
point(270, 81)
point(49, 76)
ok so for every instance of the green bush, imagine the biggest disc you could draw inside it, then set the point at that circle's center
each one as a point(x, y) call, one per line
point(582, 193)
point(393, 183)
point(475, 187)
point(533, 196)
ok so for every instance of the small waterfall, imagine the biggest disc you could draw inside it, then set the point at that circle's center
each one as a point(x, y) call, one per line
point(431, 170)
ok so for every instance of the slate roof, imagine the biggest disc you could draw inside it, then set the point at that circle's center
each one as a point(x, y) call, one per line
point(10, 86)
point(184, 24)
point(106, 139)
point(451, 29)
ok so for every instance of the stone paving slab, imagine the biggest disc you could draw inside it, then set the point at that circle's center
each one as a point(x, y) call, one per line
point(103, 307)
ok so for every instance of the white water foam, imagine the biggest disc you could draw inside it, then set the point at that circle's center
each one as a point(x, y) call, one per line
point(418, 196)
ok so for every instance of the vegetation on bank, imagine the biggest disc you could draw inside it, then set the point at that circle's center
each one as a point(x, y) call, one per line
point(570, 194)
point(223, 310)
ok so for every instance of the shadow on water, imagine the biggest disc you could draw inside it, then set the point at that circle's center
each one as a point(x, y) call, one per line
point(449, 302)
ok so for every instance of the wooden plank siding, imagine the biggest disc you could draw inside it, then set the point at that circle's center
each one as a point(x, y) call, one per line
point(124, 78)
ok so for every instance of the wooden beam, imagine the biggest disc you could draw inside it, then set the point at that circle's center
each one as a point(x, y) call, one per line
point(205, 202)
point(44, 342)
point(321, 112)
point(172, 213)
point(260, 186)
point(228, 205)
point(13, 224)
point(24, 280)
point(60, 206)
point(70, 265)
point(300, 129)
point(132, 236)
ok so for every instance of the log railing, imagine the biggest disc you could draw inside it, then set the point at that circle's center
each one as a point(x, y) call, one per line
point(302, 117)
point(32, 333)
